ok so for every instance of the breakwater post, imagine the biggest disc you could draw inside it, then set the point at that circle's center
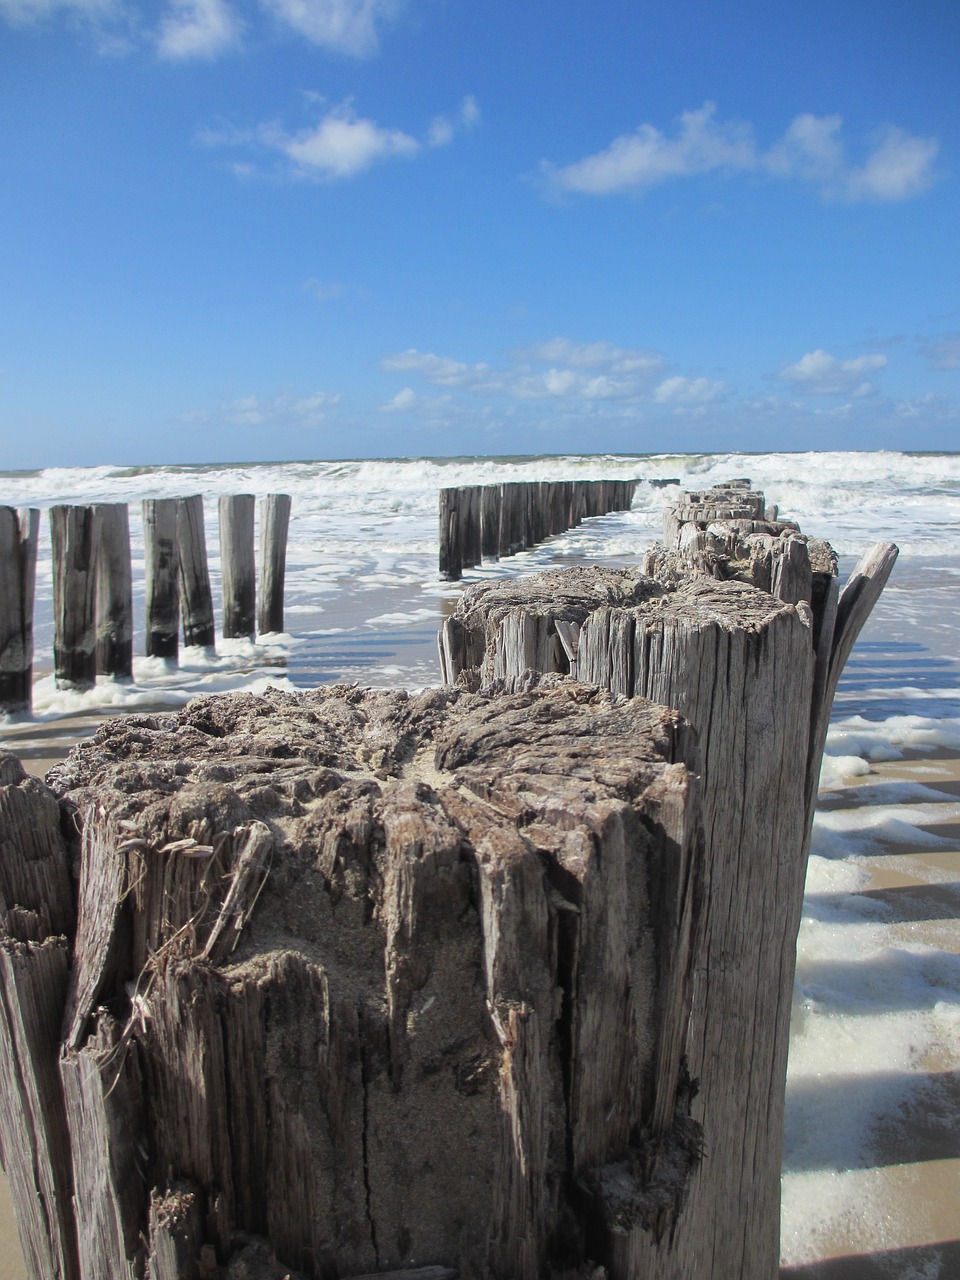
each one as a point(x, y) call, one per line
point(93, 590)
point(196, 598)
point(478, 522)
point(74, 534)
point(19, 531)
point(215, 1096)
point(161, 566)
point(114, 606)
point(238, 566)
point(274, 526)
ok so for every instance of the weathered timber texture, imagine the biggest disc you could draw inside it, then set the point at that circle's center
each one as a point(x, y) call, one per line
point(362, 982)
point(19, 531)
point(74, 535)
point(238, 566)
point(196, 598)
point(114, 607)
point(490, 521)
point(274, 525)
point(161, 568)
point(36, 919)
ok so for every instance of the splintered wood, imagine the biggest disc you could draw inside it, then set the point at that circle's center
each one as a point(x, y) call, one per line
point(359, 982)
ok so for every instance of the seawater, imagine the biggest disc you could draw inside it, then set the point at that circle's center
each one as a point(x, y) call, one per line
point(876, 1018)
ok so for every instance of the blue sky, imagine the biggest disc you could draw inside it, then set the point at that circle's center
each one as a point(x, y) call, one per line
point(282, 229)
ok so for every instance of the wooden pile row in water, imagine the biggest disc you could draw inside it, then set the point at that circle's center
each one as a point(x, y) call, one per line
point(93, 591)
point(487, 522)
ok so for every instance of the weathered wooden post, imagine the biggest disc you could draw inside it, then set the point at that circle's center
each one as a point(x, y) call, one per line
point(196, 598)
point(19, 532)
point(36, 925)
point(114, 591)
point(238, 566)
point(490, 521)
point(451, 550)
point(161, 568)
point(74, 536)
point(486, 1070)
point(274, 524)
point(472, 527)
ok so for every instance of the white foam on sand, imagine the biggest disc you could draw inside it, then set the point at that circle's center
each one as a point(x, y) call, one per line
point(874, 1003)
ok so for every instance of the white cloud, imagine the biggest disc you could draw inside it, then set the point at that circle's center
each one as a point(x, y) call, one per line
point(945, 352)
point(592, 355)
point(198, 29)
point(896, 167)
point(578, 372)
point(402, 402)
point(647, 156)
point(440, 132)
point(688, 392)
point(901, 166)
point(206, 28)
point(820, 374)
point(341, 145)
point(254, 411)
point(443, 129)
point(22, 12)
point(346, 26)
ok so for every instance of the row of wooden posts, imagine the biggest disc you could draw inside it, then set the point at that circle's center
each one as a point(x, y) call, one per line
point(93, 591)
point(491, 521)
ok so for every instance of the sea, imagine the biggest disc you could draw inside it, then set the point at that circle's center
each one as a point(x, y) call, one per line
point(871, 1175)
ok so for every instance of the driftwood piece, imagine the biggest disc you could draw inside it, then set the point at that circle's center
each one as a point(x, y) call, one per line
point(19, 531)
point(161, 570)
point(74, 534)
point(237, 565)
point(196, 597)
point(388, 979)
point(274, 526)
point(114, 591)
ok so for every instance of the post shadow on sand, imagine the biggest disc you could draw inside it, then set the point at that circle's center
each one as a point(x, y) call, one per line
point(913, 1119)
point(892, 981)
point(907, 904)
point(941, 1260)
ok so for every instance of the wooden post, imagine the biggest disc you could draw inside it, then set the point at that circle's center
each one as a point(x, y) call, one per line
point(196, 598)
point(114, 591)
point(36, 921)
point(237, 566)
point(451, 550)
point(161, 565)
point(74, 537)
point(471, 532)
point(19, 532)
point(490, 521)
point(274, 524)
point(526, 977)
